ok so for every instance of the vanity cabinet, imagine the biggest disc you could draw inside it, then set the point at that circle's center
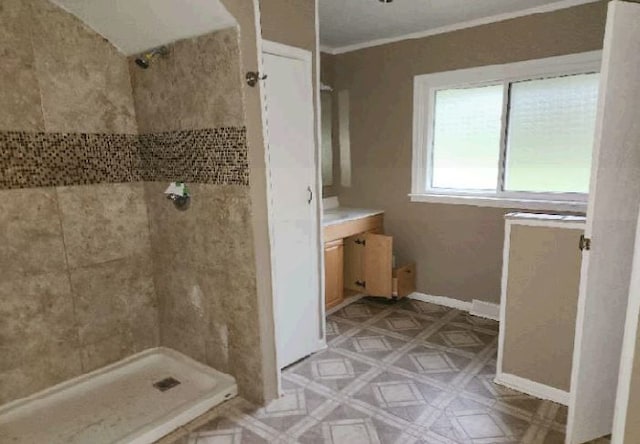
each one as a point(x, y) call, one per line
point(359, 260)
point(333, 275)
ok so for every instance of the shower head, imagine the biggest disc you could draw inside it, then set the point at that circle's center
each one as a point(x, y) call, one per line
point(144, 61)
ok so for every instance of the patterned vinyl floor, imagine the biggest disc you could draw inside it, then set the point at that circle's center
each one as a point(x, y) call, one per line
point(405, 372)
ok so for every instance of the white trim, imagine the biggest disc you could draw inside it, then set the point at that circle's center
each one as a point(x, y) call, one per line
point(484, 309)
point(481, 309)
point(532, 388)
point(501, 202)
point(564, 4)
point(424, 97)
point(350, 300)
point(557, 223)
point(544, 223)
point(503, 295)
point(316, 83)
point(441, 300)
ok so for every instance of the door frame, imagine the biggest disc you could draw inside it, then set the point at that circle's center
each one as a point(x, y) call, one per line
point(282, 50)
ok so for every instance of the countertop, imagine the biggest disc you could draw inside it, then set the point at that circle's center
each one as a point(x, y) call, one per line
point(340, 215)
point(546, 217)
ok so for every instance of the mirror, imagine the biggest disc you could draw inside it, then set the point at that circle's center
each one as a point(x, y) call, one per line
point(327, 138)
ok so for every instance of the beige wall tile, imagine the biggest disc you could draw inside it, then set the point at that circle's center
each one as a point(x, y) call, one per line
point(205, 278)
point(37, 375)
point(196, 86)
point(116, 298)
point(106, 352)
point(216, 347)
point(205, 264)
point(84, 80)
point(38, 337)
point(102, 223)
point(20, 106)
point(208, 233)
point(37, 319)
point(30, 234)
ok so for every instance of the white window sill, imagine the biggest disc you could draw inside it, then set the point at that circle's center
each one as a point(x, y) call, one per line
point(502, 202)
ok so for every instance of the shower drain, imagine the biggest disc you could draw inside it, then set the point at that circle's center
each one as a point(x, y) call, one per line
point(165, 384)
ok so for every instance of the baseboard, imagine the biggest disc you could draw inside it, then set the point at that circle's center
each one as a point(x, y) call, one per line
point(441, 300)
point(348, 301)
point(484, 309)
point(532, 388)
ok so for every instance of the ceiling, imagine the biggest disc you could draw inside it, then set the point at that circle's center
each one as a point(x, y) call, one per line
point(134, 26)
point(349, 24)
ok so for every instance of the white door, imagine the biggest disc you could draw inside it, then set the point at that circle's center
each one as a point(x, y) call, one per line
point(611, 224)
point(626, 420)
point(292, 173)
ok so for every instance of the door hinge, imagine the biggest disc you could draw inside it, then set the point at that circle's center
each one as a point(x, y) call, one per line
point(362, 284)
point(585, 243)
point(360, 242)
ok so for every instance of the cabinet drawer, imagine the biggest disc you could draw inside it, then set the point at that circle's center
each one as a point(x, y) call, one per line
point(404, 280)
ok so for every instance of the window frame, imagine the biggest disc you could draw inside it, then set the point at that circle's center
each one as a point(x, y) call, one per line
point(424, 91)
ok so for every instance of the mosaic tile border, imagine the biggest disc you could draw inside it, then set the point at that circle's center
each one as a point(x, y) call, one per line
point(212, 156)
point(217, 156)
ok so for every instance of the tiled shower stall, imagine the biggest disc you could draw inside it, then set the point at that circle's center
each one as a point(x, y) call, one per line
point(96, 263)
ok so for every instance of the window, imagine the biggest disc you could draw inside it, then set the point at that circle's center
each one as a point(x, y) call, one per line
point(517, 136)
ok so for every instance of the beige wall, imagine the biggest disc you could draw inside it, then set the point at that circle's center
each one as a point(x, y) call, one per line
point(291, 22)
point(203, 257)
point(77, 287)
point(58, 75)
point(457, 248)
point(542, 301)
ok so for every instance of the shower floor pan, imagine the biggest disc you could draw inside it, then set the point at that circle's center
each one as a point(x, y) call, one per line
point(118, 403)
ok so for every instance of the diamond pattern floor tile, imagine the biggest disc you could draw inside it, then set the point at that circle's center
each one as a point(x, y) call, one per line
point(403, 372)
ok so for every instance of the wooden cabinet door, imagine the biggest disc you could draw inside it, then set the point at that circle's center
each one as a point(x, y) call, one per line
point(333, 273)
point(353, 263)
point(354, 247)
point(378, 265)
